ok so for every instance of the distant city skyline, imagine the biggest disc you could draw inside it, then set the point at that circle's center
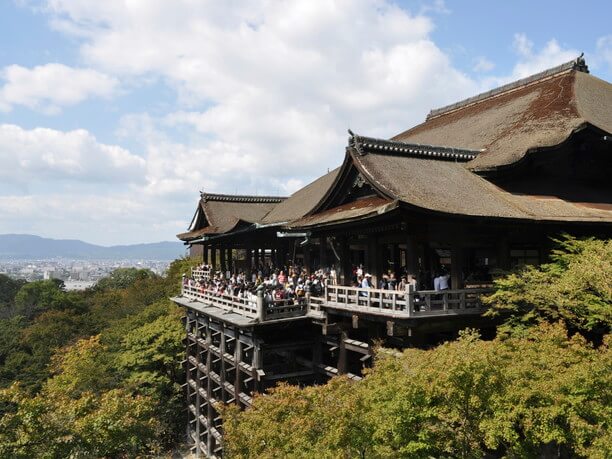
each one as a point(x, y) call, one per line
point(113, 116)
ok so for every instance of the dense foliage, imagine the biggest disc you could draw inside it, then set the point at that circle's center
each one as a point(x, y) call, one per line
point(92, 374)
point(96, 374)
point(542, 388)
point(514, 397)
point(575, 287)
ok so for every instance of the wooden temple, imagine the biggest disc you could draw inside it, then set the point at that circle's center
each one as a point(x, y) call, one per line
point(478, 189)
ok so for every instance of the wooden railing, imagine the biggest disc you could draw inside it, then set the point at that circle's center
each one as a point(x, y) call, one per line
point(253, 306)
point(201, 274)
point(409, 303)
point(390, 303)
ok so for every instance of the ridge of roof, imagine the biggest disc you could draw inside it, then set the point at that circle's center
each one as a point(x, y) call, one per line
point(240, 198)
point(364, 145)
point(578, 64)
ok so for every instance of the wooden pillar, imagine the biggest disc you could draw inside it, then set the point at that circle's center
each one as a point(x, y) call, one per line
point(322, 252)
point(209, 393)
point(229, 259)
point(457, 265)
point(249, 260)
point(374, 263)
point(395, 258)
point(345, 262)
point(237, 362)
point(223, 261)
point(256, 261)
point(205, 253)
point(342, 357)
point(306, 250)
point(412, 257)
point(223, 392)
point(213, 257)
point(503, 254)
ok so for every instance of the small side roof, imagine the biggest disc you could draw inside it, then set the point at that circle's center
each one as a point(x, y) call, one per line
point(222, 213)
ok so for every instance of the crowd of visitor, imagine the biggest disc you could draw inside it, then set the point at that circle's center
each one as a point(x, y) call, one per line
point(294, 283)
point(291, 283)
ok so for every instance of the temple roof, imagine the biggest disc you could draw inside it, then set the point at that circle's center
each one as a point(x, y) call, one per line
point(222, 213)
point(448, 187)
point(431, 167)
point(509, 122)
point(302, 201)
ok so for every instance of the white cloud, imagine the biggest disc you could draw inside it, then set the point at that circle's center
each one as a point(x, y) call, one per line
point(48, 156)
point(273, 86)
point(51, 86)
point(604, 51)
point(530, 62)
point(265, 93)
point(482, 64)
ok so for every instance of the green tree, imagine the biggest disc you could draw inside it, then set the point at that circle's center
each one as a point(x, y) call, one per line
point(122, 278)
point(8, 289)
point(575, 287)
point(518, 396)
point(39, 296)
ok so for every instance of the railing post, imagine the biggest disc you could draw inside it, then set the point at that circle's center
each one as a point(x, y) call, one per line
point(410, 300)
point(261, 310)
point(445, 301)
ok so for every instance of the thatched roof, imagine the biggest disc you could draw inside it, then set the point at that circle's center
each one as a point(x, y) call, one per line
point(302, 201)
point(507, 123)
point(432, 167)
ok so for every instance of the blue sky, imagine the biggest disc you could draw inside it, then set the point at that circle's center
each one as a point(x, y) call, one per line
point(114, 114)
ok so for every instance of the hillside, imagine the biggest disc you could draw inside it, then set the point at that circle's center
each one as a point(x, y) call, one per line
point(25, 246)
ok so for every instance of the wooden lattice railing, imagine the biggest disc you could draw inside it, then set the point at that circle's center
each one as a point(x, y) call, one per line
point(252, 306)
point(408, 303)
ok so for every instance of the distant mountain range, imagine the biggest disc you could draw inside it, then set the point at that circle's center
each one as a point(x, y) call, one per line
point(29, 247)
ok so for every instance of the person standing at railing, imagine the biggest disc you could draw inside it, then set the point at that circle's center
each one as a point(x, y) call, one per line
point(444, 281)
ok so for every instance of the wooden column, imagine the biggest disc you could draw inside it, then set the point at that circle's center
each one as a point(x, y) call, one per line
point(374, 260)
point(345, 262)
point(457, 265)
point(238, 371)
point(229, 259)
point(306, 250)
point(210, 415)
point(503, 253)
point(412, 260)
point(322, 252)
point(342, 357)
point(213, 257)
point(249, 260)
point(205, 253)
point(256, 261)
point(223, 260)
point(395, 258)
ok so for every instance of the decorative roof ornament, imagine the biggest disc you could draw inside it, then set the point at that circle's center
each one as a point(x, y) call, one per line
point(364, 145)
point(205, 197)
point(359, 181)
point(353, 142)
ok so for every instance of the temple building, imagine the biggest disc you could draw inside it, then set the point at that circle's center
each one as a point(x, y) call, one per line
point(478, 189)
